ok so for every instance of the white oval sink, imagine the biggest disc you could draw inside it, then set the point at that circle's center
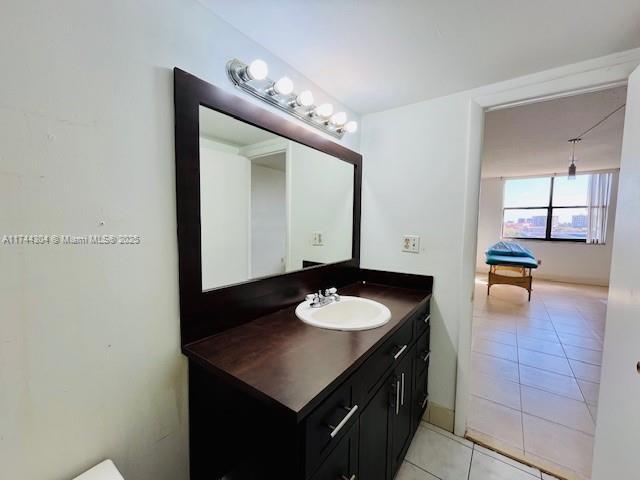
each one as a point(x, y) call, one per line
point(350, 313)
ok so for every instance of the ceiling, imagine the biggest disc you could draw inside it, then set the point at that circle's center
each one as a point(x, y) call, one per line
point(373, 55)
point(532, 139)
point(226, 129)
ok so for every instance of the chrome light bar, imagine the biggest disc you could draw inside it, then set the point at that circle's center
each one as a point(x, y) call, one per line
point(253, 79)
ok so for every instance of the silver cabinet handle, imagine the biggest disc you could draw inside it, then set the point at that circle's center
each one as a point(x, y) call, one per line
point(399, 352)
point(397, 397)
point(426, 319)
point(426, 357)
point(402, 394)
point(344, 477)
point(424, 402)
point(346, 418)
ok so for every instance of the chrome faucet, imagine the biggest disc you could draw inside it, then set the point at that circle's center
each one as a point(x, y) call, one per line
point(320, 299)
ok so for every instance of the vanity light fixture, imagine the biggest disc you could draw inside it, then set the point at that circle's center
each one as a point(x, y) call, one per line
point(284, 86)
point(253, 79)
point(338, 119)
point(304, 99)
point(256, 70)
point(325, 110)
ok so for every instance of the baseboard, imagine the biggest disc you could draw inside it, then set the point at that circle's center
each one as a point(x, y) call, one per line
point(439, 416)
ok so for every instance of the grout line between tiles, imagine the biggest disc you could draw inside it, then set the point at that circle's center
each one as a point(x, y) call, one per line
point(473, 452)
point(420, 468)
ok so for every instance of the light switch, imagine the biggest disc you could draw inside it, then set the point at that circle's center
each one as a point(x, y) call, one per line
point(411, 243)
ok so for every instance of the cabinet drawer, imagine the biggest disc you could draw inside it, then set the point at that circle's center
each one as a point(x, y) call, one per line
point(422, 319)
point(423, 352)
point(342, 462)
point(389, 354)
point(329, 422)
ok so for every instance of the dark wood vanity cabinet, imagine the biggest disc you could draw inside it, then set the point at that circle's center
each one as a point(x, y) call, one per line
point(388, 406)
point(358, 428)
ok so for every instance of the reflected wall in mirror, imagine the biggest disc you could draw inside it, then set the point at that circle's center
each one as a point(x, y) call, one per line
point(268, 205)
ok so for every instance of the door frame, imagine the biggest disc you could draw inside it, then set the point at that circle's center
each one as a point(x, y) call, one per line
point(575, 79)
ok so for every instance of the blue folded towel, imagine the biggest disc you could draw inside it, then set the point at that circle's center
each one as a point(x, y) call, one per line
point(509, 249)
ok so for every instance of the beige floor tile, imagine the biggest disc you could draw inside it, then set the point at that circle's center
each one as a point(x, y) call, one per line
point(536, 345)
point(537, 333)
point(556, 408)
point(441, 431)
point(574, 320)
point(549, 381)
point(439, 455)
point(540, 323)
point(580, 331)
point(496, 420)
point(514, 463)
point(593, 357)
point(585, 371)
point(491, 323)
point(590, 391)
point(559, 444)
point(494, 366)
point(495, 335)
point(485, 467)
point(544, 361)
point(558, 471)
point(408, 471)
point(495, 349)
point(496, 389)
point(582, 342)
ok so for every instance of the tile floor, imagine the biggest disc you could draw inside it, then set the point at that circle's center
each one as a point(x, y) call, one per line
point(436, 454)
point(536, 373)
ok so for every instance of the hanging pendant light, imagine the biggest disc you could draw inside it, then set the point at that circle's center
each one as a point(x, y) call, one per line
point(572, 166)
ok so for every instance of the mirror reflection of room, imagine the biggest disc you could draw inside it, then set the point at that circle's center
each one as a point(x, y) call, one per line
point(297, 202)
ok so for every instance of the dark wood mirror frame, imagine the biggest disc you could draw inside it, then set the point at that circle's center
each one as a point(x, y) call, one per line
point(206, 313)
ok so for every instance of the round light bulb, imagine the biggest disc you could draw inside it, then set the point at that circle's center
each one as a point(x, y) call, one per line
point(324, 110)
point(284, 86)
point(305, 98)
point(351, 127)
point(339, 118)
point(258, 70)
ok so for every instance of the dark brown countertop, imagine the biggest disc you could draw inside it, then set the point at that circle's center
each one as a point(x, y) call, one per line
point(281, 359)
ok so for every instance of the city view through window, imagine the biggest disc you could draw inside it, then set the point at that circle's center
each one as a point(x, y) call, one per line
point(529, 202)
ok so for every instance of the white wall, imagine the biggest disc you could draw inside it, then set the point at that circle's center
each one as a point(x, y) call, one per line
point(321, 200)
point(618, 427)
point(268, 221)
point(561, 261)
point(225, 193)
point(90, 365)
point(415, 183)
point(421, 175)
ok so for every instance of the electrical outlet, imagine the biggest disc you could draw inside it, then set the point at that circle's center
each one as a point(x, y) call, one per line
point(411, 243)
point(317, 239)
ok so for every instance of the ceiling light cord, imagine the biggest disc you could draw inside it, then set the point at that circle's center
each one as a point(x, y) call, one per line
point(574, 140)
point(581, 136)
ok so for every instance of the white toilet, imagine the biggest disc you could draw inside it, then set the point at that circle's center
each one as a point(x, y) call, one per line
point(103, 471)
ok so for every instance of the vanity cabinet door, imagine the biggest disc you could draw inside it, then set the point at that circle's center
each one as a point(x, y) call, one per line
point(342, 462)
point(401, 415)
point(374, 433)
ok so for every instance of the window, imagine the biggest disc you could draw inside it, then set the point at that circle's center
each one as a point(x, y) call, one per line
point(547, 208)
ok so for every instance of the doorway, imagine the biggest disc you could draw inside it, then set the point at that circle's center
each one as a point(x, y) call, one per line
point(535, 363)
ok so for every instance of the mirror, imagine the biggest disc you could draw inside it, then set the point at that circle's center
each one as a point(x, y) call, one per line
point(268, 205)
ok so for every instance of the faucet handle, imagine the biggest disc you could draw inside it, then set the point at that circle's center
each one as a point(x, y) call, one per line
point(331, 291)
point(311, 297)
